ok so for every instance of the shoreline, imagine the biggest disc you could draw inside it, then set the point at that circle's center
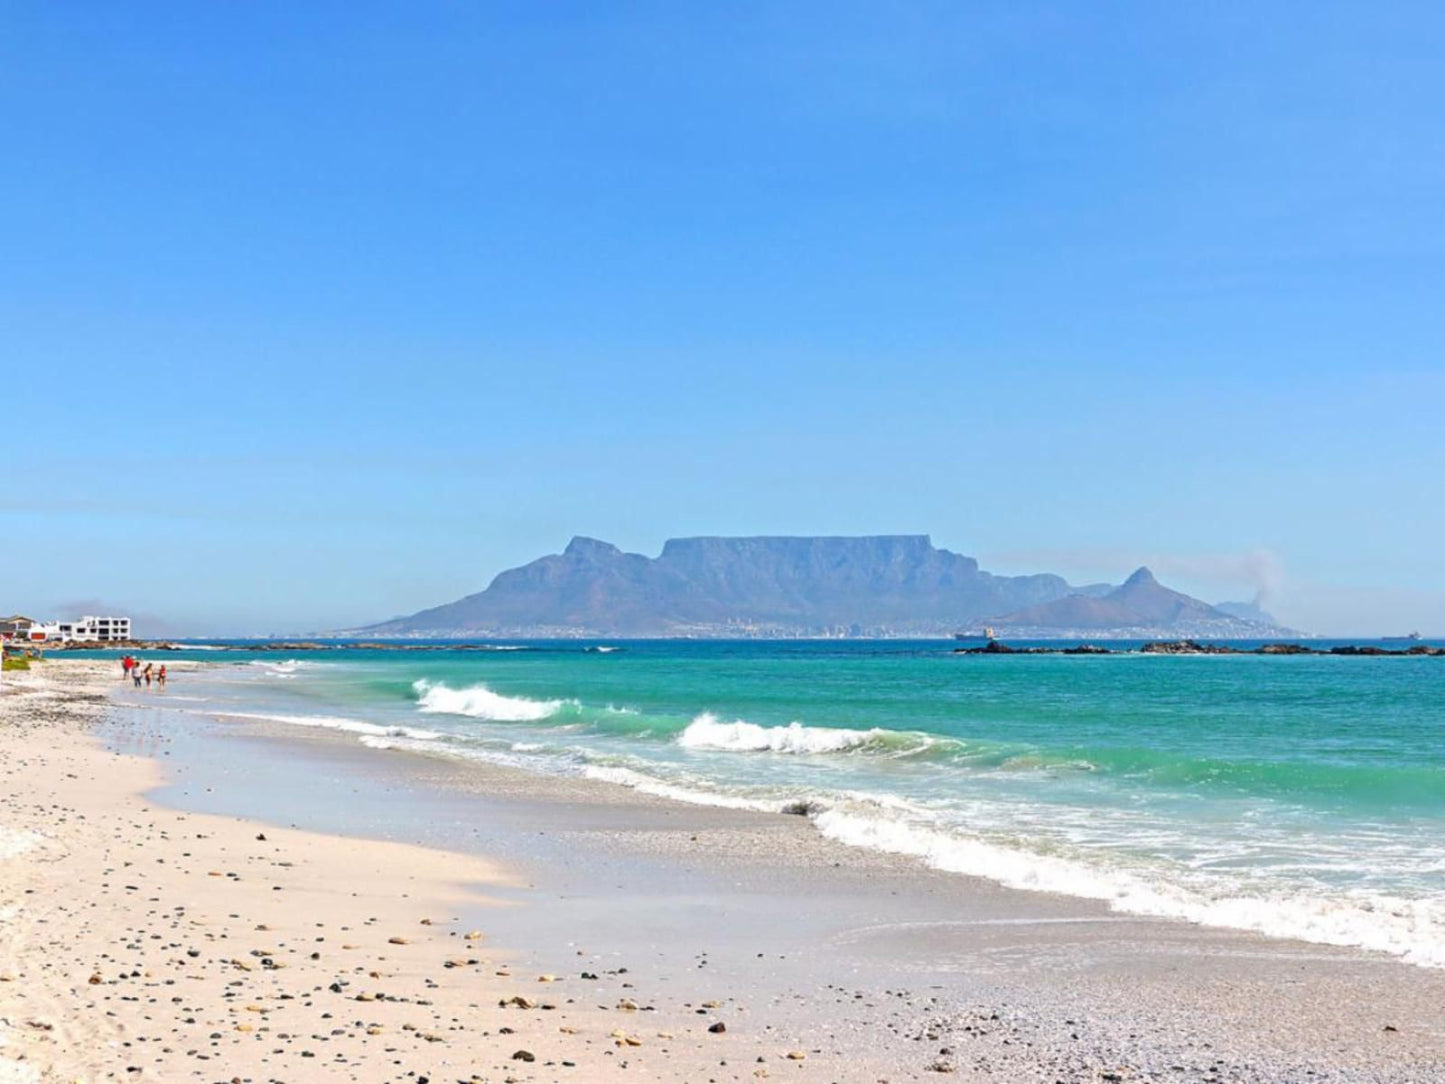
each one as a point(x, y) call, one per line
point(1013, 985)
point(144, 942)
point(1077, 645)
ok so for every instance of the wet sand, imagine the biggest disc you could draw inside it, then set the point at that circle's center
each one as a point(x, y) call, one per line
point(871, 967)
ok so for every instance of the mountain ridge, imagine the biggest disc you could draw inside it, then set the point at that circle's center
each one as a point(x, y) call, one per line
point(1141, 601)
point(717, 586)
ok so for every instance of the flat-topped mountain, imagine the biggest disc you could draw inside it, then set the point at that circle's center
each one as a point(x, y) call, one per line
point(884, 585)
point(881, 585)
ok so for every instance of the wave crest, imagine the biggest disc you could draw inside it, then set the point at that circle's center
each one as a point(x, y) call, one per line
point(479, 702)
point(708, 732)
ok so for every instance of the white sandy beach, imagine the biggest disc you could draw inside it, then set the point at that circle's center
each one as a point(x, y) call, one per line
point(146, 942)
point(142, 943)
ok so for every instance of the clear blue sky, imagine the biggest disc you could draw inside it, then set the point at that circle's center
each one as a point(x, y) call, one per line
point(316, 313)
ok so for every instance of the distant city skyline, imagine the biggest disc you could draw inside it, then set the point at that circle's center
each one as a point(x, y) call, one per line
point(316, 315)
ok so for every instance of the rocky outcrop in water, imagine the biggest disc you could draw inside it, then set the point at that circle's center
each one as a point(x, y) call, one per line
point(1195, 647)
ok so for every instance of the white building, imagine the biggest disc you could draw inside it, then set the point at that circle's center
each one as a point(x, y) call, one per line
point(90, 628)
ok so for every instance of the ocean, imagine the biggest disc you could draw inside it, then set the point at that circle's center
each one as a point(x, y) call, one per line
point(1293, 796)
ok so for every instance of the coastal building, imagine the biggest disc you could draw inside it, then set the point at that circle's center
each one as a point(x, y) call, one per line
point(91, 628)
point(88, 629)
point(17, 628)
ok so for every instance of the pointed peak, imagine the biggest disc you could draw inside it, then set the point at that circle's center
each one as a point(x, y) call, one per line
point(582, 546)
point(1142, 577)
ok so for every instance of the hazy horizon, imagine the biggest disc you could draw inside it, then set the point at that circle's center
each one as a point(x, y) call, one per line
point(1256, 577)
point(316, 315)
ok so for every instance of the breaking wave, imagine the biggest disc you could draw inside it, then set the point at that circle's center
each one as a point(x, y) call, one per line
point(479, 702)
point(708, 732)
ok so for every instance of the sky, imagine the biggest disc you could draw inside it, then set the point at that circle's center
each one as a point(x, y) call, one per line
point(314, 314)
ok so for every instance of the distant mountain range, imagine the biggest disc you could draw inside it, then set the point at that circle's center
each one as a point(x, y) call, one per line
point(886, 586)
point(1140, 606)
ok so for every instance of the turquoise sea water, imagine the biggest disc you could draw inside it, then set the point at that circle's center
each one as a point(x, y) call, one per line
point(1294, 796)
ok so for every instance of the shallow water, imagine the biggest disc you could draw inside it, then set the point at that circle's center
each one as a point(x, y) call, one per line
point(1295, 796)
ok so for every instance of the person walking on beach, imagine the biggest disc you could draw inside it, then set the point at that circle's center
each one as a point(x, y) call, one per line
point(135, 672)
point(161, 676)
point(148, 675)
point(125, 667)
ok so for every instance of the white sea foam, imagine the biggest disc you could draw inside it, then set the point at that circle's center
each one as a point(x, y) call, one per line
point(709, 732)
point(281, 668)
point(1411, 929)
point(336, 722)
point(479, 702)
point(373, 741)
point(647, 784)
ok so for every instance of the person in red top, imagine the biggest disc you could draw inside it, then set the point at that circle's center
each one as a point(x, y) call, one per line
point(125, 665)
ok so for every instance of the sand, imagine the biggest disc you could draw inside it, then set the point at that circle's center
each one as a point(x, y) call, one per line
point(143, 939)
point(142, 943)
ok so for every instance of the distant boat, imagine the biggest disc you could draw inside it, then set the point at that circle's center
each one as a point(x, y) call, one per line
point(1409, 637)
point(987, 634)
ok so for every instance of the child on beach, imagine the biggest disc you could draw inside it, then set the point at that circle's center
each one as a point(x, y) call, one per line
point(148, 675)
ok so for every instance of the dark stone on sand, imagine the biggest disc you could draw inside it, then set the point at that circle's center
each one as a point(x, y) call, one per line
point(718, 1028)
point(524, 1055)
